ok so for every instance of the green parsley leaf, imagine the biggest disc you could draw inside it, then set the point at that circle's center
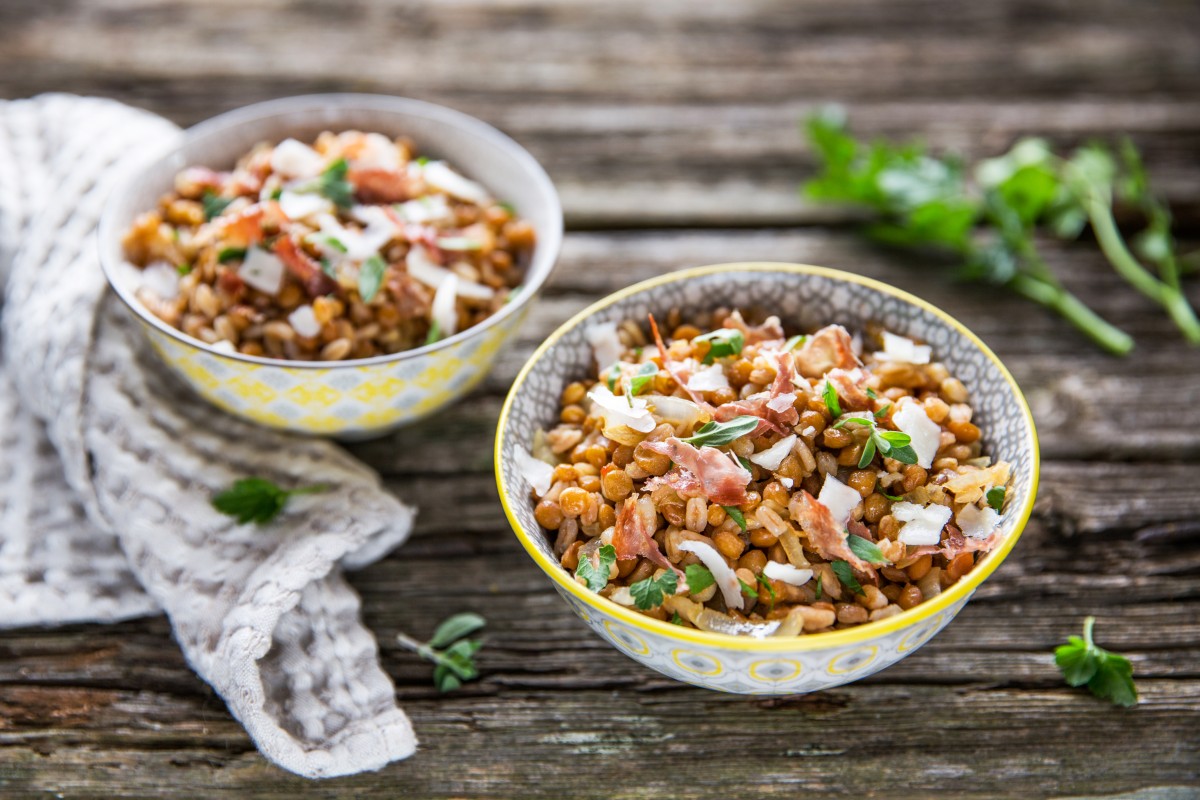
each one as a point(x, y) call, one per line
point(1108, 675)
point(698, 578)
point(905, 455)
point(612, 375)
point(736, 515)
point(231, 254)
point(820, 591)
point(676, 619)
point(871, 393)
point(257, 499)
point(995, 497)
point(456, 627)
point(746, 465)
point(596, 577)
point(278, 193)
point(435, 333)
point(334, 242)
point(882, 412)
point(866, 550)
point(769, 589)
point(370, 277)
point(333, 184)
point(214, 205)
point(846, 575)
point(648, 593)
point(723, 342)
point(719, 433)
point(641, 379)
point(831, 400)
point(796, 341)
point(892, 497)
point(183, 269)
point(748, 589)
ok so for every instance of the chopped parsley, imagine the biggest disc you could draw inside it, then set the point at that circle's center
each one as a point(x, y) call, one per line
point(649, 593)
point(214, 205)
point(866, 550)
point(894, 498)
point(748, 589)
point(769, 589)
point(995, 497)
point(435, 333)
point(449, 650)
point(596, 577)
point(370, 277)
point(829, 393)
point(1108, 675)
point(231, 254)
point(612, 375)
point(698, 578)
point(846, 575)
point(736, 515)
point(794, 342)
point(676, 619)
point(257, 499)
point(642, 378)
point(723, 342)
point(719, 433)
point(183, 269)
point(333, 184)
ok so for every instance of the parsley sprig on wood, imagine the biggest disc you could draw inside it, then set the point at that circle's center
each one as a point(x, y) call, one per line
point(1108, 675)
point(991, 223)
point(450, 650)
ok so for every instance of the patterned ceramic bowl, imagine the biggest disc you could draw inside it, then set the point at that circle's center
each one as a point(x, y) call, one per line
point(366, 397)
point(805, 297)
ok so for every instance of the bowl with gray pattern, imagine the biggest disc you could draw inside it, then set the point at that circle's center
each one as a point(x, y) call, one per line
point(805, 298)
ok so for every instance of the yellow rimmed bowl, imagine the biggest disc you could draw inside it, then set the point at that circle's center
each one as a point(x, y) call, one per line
point(364, 397)
point(804, 297)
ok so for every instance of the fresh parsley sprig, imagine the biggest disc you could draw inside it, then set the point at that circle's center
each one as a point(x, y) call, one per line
point(719, 433)
point(1108, 675)
point(892, 444)
point(867, 550)
point(370, 277)
point(332, 184)
point(448, 648)
point(595, 575)
point(736, 515)
point(723, 342)
point(649, 592)
point(845, 575)
point(214, 205)
point(257, 499)
point(925, 201)
point(698, 578)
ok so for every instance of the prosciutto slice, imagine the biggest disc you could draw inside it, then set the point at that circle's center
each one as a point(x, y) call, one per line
point(824, 534)
point(852, 396)
point(954, 544)
point(680, 375)
point(828, 348)
point(722, 479)
point(765, 405)
point(305, 268)
point(769, 331)
point(633, 536)
point(684, 482)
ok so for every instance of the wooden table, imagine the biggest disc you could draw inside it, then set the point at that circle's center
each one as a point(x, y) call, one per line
point(670, 130)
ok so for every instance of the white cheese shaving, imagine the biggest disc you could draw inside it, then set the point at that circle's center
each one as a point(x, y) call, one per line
point(606, 345)
point(537, 472)
point(295, 159)
point(787, 573)
point(223, 346)
point(910, 417)
point(421, 267)
point(430, 208)
point(976, 522)
point(709, 379)
point(787, 482)
point(262, 270)
point(443, 310)
point(617, 411)
point(304, 321)
point(839, 498)
point(363, 244)
point(162, 279)
point(922, 524)
point(725, 577)
point(622, 596)
point(774, 455)
point(438, 175)
point(300, 205)
point(782, 402)
point(809, 431)
point(903, 349)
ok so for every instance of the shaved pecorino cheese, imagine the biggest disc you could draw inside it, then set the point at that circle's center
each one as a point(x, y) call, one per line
point(708, 380)
point(976, 522)
point(787, 573)
point(901, 348)
point(726, 578)
point(606, 345)
point(774, 455)
point(922, 524)
point(910, 417)
point(839, 498)
point(621, 411)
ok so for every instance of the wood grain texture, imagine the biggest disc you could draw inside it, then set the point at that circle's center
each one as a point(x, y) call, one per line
point(669, 128)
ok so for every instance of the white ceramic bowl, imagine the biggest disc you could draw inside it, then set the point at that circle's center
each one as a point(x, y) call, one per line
point(347, 399)
point(804, 297)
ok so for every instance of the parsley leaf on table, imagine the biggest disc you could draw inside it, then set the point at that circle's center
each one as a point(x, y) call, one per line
point(453, 655)
point(257, 499)
point(1108, 675)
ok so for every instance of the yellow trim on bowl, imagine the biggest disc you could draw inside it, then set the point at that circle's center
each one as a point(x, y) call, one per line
point(849, 636)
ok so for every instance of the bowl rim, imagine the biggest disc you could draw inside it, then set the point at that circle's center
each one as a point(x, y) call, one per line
point(338, 101)
point(851, 636)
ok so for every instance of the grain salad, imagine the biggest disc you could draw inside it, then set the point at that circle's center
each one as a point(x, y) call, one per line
point(350, 247)
point(733, 479)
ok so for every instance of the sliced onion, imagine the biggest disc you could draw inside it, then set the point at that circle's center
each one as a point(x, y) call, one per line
point(606, 345)
point(787, 573)
point(421, 267)
point(922, 524)
point(839, 498)
point(617, 410)
point(793, 549)
point(709, 380)
point(676, 410)
point(537, 472)
point(725, 577)
point(294, 159)
point(910, 417)
point(773, 456)
point(976, 522)
point(262, 270)
point(444, 310)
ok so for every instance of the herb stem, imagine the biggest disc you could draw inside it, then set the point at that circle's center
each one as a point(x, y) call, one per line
point(316, 488)
point(1113, 246)
point(1058, 299)
point(1088, 624)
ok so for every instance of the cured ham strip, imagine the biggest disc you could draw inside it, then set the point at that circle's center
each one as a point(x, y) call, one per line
point(824, 534)
point(852, 396)
point(954, 544)
point(769, 331)
point(684, 482)
point(828, 348)
point(722, 479)
point(783, 386)
point(306, 270)
point(760, 405)
point(680, 376)
point(634, 537)
point(376, 185)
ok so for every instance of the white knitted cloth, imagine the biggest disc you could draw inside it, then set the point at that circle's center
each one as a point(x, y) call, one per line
point(109, 464)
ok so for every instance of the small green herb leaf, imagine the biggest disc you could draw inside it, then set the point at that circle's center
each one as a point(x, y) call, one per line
point(370, 277)
point(257, 499)
point(736, 515)
point(748, 589)
point(456, 627)
point(894, 498)
point(866, 550)
point(746, 465)
point(214, 205)
point(641, 379)
point(831, 400)
point(871, 393)
point(846, 576)
point(648, 593)
point(882, 412)
point(1108, 675)
point(905, 455)
point(769, 589)
point(723, 342)
point(796, 341)
point(231, 254)
point(698, 578)
point(995, 497)
point(719, 433)
point(453, 655)
point(183, 269)
point(868, 453)
point(333, 184)
point(435, 333)
point(820, 591)
point(612, 375)
point(676, 619)
point(596, 577)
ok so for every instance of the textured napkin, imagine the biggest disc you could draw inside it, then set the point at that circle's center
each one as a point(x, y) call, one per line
point(109, 464)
